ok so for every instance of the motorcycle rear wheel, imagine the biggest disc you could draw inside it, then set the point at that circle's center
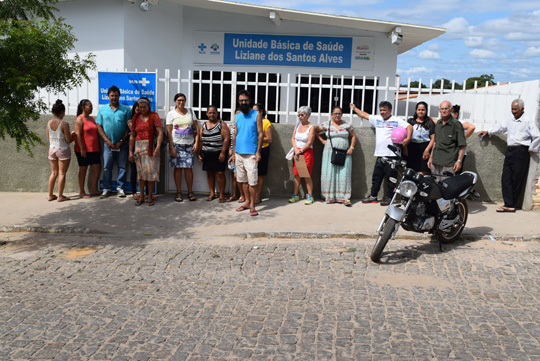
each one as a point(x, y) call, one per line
point(463, 212)
point(388, 228)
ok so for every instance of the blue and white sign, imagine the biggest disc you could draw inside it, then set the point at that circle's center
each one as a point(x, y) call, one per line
point(284, 50)
point(132, 86)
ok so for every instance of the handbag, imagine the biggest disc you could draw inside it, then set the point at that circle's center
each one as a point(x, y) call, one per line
point(338, 155)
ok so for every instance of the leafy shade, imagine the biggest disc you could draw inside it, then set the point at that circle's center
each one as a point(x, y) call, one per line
point(33, 54)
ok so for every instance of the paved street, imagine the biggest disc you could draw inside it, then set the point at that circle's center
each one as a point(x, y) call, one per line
point(101, 297)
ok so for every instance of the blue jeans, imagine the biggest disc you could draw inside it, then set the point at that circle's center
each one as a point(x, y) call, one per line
point(121, 158)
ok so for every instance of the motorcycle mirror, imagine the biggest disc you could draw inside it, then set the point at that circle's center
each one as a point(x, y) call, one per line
point(393, 148)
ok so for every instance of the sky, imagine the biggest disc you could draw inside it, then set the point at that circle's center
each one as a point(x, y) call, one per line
point(498, 37)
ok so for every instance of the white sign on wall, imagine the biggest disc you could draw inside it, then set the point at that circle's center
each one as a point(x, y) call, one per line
point(283, 50)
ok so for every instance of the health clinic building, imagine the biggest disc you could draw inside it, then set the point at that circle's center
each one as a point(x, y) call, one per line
point(225, 36)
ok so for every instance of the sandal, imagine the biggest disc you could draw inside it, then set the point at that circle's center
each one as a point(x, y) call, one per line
point(52, 198)
point(241, 200)
point(232, 198)
point(151, 203)
point(178, 197)
point(222, 200)
point(241, 208)
point(347, 203)
point(253, 213)
point(139, 202)
point(211, 198)
point(62, 199)
point(191, 197)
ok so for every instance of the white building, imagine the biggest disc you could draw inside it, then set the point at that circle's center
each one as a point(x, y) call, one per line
point(293, 57)
point(204, 36)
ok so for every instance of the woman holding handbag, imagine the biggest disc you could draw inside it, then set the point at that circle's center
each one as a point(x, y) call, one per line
point(142, 149)
point(336, 166)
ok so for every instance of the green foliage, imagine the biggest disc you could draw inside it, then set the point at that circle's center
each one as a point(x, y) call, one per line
point(33, 54)
point(447, 84)
point(414, 84)
point(481, 81)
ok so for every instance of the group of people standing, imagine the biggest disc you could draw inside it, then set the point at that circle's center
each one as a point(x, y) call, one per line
point(136, 135)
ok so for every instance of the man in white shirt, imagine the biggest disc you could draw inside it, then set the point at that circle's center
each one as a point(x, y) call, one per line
point(523, 137)
point(384, 124)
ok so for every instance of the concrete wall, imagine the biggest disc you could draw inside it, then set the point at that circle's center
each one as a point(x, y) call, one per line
point(23, 173)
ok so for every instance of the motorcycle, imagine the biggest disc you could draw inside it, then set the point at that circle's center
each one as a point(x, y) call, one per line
point(423, 204)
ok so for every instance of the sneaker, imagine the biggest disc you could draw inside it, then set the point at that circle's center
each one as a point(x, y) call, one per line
point(309, 199)
point(386, 201)
point(370, 199)
point(294, 198)
point(120, 193)
point(105, 194)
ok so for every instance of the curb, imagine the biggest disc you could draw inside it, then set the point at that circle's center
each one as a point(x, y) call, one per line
point(281, 235)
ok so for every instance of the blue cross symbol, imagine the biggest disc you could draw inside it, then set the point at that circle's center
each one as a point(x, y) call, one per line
point(201, 48)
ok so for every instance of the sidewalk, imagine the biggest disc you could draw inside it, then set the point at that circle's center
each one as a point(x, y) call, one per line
point(31, 212)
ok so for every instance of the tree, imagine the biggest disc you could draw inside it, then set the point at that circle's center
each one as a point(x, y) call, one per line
point(33, 53)
point(447, 84)
point(414, 84)
point(481, 81)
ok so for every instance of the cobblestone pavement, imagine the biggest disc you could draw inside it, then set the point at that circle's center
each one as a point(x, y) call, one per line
point(69, 297)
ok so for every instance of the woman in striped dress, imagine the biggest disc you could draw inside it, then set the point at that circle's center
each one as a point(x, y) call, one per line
point(215, 137)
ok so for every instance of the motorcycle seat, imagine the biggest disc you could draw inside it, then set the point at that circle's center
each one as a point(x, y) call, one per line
point(452, 187)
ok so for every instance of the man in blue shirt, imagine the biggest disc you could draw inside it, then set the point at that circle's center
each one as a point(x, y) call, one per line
point(112, 120)
point(246, 147)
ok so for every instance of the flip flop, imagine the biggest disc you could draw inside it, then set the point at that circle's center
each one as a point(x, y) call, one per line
point(231, 199)
point(253, 213)
point(139, 202)
point(222, 200)
point(241, 208)
point(505, 210)
point(151, 203)
point(211, 198)
point(63, 199)
point(52, 198)
point(241, 200)
point(178, 197)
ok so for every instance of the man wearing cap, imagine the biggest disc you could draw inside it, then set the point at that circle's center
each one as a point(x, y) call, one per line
point(523, 138)
point(112, 120)
point(450, 144)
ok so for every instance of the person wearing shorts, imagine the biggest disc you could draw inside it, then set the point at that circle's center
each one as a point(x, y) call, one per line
point(59, 137)
point(247, 142)
point(87, 148)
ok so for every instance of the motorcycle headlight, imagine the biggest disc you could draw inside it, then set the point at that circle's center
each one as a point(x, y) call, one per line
point(407, 189)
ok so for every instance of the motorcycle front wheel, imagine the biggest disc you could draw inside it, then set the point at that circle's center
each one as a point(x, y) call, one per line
point(463, 213)
point(381, 242)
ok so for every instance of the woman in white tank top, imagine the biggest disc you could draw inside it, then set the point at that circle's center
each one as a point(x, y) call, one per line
point(302, 141)
point(59, 137)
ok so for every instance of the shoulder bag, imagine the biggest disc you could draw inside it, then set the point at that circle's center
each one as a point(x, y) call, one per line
point(338, 155)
